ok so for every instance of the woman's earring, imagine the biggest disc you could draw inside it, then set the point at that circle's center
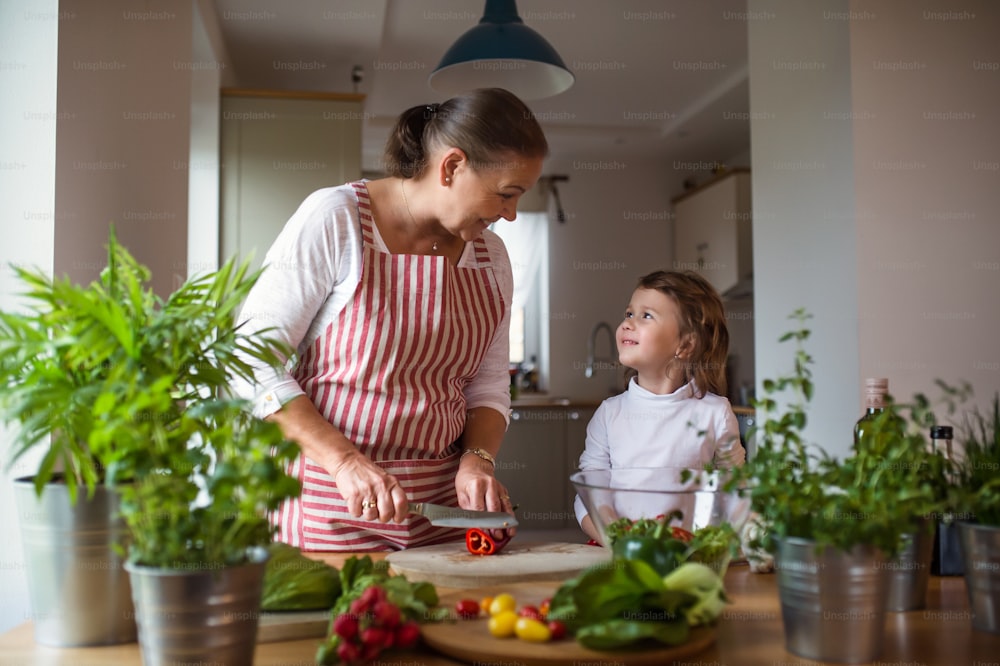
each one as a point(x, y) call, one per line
point(447, 180)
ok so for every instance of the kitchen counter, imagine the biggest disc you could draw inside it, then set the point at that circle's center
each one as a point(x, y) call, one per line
point(749, 634)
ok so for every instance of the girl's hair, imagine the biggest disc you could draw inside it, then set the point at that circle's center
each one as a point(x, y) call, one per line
point(702, 320)
point(486, 124)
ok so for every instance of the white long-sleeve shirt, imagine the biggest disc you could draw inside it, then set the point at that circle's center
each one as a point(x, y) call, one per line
point(639, 428)
point(312, 270)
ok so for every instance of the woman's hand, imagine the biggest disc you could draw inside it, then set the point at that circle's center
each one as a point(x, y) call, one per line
point(477, 487)
point(369, 491)
point(479, 490)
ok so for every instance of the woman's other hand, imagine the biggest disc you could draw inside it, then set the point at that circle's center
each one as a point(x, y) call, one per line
point(369, 491)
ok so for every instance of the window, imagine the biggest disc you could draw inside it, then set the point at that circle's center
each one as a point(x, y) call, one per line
point(526, 239)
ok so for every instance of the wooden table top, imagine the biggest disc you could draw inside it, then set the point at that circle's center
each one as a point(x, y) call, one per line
point(750, 633)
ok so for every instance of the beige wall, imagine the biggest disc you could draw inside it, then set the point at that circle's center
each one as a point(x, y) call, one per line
point(124, 95)
point(872, 205)
point(926, 89)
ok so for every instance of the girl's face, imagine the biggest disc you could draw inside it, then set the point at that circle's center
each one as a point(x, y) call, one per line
point(649, 335)
point(483, 196)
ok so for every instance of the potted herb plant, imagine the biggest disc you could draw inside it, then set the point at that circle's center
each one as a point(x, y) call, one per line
point(976, 491)
point(931, 471)
point(832, 524)
point(123, 391)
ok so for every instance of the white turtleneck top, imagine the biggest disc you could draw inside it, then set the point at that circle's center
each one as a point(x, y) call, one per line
point(639, 428)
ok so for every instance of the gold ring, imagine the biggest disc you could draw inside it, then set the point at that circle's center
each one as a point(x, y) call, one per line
point(369, 503)
point(506, 498)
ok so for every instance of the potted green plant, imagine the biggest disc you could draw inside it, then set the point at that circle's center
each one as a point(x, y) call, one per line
point(68, 511)
point(931, 470)
point(107, 379)
point(832, 524)
point(976, 491)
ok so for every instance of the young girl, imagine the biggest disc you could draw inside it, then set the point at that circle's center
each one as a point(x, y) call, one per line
point(674, 341)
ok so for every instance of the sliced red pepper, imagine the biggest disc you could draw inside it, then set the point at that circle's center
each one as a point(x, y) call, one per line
point(480, 542)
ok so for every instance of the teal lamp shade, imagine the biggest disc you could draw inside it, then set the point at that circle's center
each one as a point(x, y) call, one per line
point(502, 52)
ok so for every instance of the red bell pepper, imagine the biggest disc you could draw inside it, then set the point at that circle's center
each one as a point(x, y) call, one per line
point(481, 542)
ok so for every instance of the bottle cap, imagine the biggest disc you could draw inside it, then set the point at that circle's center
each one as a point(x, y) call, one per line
point(876, 385)
point(941, 432)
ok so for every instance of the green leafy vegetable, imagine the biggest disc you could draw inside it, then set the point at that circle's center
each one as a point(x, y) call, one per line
point(714, 545)
point(623, 603)
point(293, 581)
point(701, 581)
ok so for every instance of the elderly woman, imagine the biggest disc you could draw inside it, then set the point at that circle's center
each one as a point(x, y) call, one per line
point(396, 297)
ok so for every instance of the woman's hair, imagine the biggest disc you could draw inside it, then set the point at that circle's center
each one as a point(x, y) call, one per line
point(485, 124)
point(702, 322)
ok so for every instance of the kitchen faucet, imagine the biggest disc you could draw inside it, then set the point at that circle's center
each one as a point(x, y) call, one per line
point(589, 370)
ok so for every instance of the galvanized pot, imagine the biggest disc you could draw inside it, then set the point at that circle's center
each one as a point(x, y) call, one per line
point(198, 616)
point(981, 557)
point(78, 588)
point(910, 571)
point(832, 602)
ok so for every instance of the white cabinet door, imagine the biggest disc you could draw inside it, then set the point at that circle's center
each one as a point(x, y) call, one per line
point(276, 151)
point(713, 231)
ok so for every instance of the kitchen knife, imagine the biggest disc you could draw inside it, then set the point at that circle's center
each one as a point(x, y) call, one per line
point(449, 516)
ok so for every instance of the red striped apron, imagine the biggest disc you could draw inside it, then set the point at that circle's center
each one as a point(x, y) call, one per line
point(390, 373)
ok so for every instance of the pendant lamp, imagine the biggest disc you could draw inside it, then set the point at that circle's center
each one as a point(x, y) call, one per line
point(502, 52)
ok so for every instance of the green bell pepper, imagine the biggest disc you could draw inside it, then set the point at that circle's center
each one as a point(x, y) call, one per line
point(661, 552)
point(662, 555)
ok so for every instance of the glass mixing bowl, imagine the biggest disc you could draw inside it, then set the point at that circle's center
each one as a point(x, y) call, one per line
point(637, 493)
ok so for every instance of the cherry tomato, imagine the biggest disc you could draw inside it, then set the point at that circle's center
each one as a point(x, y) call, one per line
point(681, 534)
point(530, 611)
point(531, 630)
point(467, 609)
point(543, 608)
point(557, 629)
point(502, 624)
point(485, 603)
point(503, 602)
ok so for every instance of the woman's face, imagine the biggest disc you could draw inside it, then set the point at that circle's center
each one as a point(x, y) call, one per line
point(484, 195)
point(649, 334)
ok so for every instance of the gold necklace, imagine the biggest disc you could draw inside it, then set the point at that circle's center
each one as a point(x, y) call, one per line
point(434, 245)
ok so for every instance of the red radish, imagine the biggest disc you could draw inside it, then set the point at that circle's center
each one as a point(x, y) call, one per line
point(407, 634)
point(346, 626)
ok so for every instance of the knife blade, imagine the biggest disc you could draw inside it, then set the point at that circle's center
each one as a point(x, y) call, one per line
point(449, 516)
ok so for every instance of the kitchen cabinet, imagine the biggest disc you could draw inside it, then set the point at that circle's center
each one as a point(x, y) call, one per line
point(540, 450)
point(277, 147)
point(713, 232)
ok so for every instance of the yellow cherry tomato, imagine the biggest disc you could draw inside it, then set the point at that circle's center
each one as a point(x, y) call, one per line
point(502, 602)
point(485, 603)
point(501, 625)
point(529, 629)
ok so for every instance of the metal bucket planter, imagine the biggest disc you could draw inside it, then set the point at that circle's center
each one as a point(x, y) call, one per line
point(198, 616)
point(78, 588)
point(833, 602)
point(981, 557)
point(910, 571)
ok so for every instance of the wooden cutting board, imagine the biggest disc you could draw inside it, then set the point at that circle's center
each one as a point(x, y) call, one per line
point(471, 641)
point(277, 626)
point(451, 565)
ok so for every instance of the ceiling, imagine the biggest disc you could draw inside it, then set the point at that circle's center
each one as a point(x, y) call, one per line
point(664, 80)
